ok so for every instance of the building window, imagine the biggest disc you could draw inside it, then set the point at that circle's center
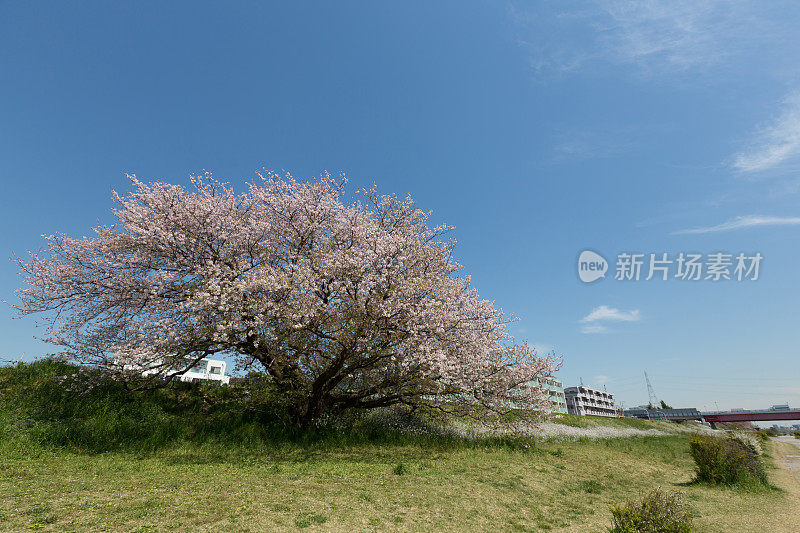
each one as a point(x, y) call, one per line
point(215, 370)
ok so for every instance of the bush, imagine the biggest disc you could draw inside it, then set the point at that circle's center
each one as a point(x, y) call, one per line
point(797, 434)
point(400, 469)
point(727, 460)
point(769, 432)
point(658, 512)
point(765, 434)
point(749, 440)
point(54, 404)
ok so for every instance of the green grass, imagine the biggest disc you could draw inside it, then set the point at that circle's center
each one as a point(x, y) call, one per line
point(592, 421)
point(36, 411)
point(200, 475)
point(357, 487)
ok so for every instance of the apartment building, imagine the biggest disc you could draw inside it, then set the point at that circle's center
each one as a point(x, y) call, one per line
point(587, 401)
point(202, 370)
point(555, 391)
point(207, 369)
point(552, 387)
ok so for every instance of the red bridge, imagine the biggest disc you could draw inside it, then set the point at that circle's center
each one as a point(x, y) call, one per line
point(751, 416)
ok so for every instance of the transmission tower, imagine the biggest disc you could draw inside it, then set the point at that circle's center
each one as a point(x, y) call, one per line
point(650, 391)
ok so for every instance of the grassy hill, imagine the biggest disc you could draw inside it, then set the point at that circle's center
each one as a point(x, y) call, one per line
point(190, 458)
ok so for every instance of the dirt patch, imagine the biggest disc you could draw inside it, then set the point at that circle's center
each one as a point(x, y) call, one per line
point(789, 456)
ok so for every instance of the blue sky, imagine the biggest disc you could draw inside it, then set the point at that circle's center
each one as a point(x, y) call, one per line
point(537, 129)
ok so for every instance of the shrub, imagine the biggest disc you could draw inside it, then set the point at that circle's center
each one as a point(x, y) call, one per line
point(749, 440)
point(764, 434)
point(400, 469)
point(591, 486)
point(728, 460)
point(658, 512)
point(40, 406)
point(797, 434)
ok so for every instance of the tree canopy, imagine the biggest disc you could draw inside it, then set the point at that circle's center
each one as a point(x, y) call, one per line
point(344, 305)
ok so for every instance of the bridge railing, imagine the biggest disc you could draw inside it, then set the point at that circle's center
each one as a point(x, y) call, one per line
point(750, 412)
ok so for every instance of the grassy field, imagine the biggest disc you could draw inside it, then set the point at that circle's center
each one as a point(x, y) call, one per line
point(554, 486)
point(362, 483)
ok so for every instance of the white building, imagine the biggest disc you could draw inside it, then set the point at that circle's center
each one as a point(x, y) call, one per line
point(210, 369)
point(205, 369)
point(587, 401)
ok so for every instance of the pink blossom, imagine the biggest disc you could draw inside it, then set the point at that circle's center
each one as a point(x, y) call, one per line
point(343, 304)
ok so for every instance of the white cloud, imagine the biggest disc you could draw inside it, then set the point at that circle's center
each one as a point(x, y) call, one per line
point(657, 36)
point(601, 380)
point(748, 221)
point(775, 143)
point(605, 313)
point(611, 314)
point(675, 34)
point(543, 349)
point(594, 328)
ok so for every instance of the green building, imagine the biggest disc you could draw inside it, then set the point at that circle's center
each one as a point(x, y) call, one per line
point(555, 390)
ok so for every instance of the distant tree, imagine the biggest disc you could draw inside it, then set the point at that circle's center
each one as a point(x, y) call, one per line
point(664, 405)
point(355, 305)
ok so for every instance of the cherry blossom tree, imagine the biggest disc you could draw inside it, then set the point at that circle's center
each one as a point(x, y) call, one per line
point(344, 305)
